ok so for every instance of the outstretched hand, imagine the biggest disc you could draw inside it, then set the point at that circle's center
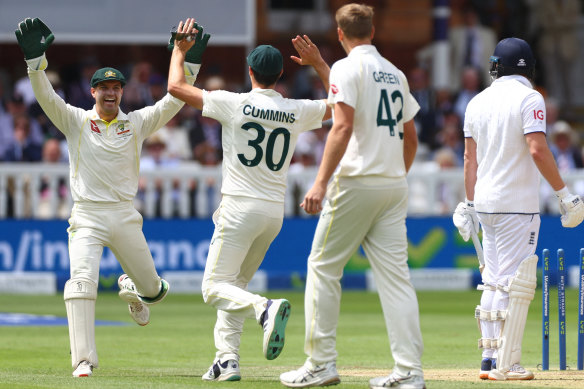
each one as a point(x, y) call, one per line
point(309, 53)
point(189, 39)
point(185, 36)
point(34, 37)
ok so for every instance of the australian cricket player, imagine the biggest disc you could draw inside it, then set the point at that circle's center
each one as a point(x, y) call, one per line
point(368, 152)
point(260, 129)
point(104, 152)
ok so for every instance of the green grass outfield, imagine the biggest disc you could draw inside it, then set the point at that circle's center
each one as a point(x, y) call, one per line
point(177, 347)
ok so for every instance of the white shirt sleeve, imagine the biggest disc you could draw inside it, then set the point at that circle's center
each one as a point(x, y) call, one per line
point(344, 84)
point(313, 112)
point(152, 118)
point(62, 115)
point(468, 116)
point(219, 104)
point(533, 113)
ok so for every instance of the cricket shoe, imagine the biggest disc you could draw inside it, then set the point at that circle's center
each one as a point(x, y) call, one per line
point(311, 375)
point(515, 373)
point(487, 364)
point(396, 381)
point(84, 369)
point(223, 371)
point(274, 320)
point(138, 310)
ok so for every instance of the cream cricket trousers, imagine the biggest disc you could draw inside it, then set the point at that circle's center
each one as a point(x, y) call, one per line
point(91, 227)
point(119, 227)
point(244, 229)
point(370, 212)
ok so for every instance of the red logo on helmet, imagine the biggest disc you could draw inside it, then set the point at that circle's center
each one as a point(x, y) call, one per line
point(334, 89)
point(94, 127)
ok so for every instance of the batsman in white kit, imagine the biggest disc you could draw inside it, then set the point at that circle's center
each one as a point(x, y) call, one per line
point(373, 142)
point(104, 152)
point(260, 129)
point(505, 152)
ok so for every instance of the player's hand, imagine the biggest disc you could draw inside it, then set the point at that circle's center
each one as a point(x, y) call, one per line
point(183, 36)
point(572, 210)
point(309, 53)
point(190, 39)
point(312, 203)
point(34, 37)
point(466, 220)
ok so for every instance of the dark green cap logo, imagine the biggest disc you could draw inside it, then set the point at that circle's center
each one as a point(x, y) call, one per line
point(107, 74)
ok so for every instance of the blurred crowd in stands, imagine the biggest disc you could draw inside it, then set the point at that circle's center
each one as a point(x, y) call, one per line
point(26, 134)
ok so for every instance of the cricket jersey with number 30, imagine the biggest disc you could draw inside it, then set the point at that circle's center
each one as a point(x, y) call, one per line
point(259, 134)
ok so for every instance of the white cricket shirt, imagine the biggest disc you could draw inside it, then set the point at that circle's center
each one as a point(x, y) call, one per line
point(259, 133)
point(380, 94)
point(498, 119)
point(104, 158)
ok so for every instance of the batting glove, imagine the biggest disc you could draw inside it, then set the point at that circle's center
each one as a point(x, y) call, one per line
point(571, 208)
point(30, 36)
point(195, 53)
point(465, 219)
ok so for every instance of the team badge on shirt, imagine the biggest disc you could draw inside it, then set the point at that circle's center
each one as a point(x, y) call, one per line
point(334, 89)
point(122, 129)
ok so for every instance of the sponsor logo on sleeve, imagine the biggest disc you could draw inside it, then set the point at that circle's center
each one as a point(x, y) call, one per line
point(334, 89)
point(538, 114)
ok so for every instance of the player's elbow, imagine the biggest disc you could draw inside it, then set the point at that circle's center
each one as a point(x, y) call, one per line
point(539, 154)
point(345, 130)
point(174, 88)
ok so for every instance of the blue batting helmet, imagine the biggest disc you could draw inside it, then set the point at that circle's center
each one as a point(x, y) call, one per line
point(512, 56)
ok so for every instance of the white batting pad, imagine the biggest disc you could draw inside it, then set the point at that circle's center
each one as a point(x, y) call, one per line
point(521, 291)
point(80, 295)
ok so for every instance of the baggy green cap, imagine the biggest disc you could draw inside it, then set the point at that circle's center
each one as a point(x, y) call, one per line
point(265, 59)
point(107, 74)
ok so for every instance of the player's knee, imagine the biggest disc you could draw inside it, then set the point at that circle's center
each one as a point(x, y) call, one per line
point(80, 288)
point(210, 292)
point(522, 285)
point(205, 290)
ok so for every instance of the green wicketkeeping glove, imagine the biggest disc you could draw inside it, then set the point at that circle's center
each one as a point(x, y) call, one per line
point(195, 53)
point(30, 36)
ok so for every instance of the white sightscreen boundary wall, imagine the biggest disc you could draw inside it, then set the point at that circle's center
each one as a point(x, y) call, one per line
point(231, 22)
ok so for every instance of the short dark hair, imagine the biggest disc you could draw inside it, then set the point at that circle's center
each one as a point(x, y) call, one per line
point(265, 79)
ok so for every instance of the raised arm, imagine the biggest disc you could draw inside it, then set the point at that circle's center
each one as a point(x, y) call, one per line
point(34, 38)
point(310, 55)
point(184, 52)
